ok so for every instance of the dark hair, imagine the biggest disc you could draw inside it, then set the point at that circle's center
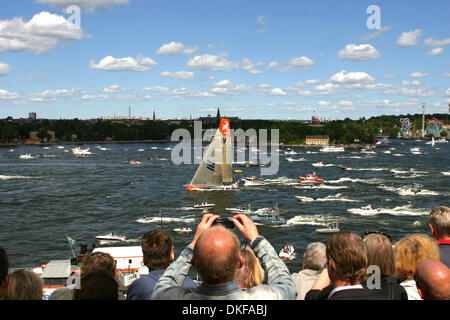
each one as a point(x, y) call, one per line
point(156, 248)
point(99, 261)
point(97, 285)
point(4, 264)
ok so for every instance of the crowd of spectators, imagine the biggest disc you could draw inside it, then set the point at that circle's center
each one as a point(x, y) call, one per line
point(347, 267)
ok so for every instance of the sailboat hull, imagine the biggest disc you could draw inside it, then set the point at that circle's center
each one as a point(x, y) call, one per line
point(191, 187)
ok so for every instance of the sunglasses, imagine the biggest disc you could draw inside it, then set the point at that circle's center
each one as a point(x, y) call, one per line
point(376, 232)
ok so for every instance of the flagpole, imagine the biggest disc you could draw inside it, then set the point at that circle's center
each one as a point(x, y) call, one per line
point(73, 253)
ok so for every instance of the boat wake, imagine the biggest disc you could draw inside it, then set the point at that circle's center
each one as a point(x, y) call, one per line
point(316, 220)
point(3, 177)
point(337, 197)
point(406, 210)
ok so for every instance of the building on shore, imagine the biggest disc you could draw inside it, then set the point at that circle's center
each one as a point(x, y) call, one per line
point(317, 140)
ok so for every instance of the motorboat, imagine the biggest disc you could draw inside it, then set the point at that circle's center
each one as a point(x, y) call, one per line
point(290, 152)
point(240, 209)
point(182, 230)
point(111, 238)
point(313, 178)
point(252, 181)
point(80, 152)
point(330, 228)
point(133, 162)
point(346, 167)
point(288, 252)
point(144, 219)
point(366, 210)
point(293, 159)
point(140, 149)
point(332, 149)
point(237, 171)
point(26, 156)
point(304, 199)
point(407, 191)
point(269, 216)
point(319, 164)
point(203, 205)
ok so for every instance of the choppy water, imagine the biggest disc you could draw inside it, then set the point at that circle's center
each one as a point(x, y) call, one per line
point(43, 199)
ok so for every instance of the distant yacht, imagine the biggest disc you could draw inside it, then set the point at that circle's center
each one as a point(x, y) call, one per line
point(332, 149)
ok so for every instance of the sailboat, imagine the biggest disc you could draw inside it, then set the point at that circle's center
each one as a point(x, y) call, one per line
point(215, 170)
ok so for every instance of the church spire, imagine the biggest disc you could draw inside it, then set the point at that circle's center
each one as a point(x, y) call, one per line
point(218, 113)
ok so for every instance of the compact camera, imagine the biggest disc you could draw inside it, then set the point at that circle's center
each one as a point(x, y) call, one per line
point(226, 222)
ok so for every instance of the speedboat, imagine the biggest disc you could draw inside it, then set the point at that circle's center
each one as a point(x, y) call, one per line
point(140, 149)
point(240, 209)
point(110, 238)
point(319, 164)
point(407, 191)
point(144, 219)
point(304, 199)
point(26, 156)
point(289, 152)
point(331, 228)
point(366, 210)
point(253, 181)
point(134, 162)
point(288, 252)
point(292, 159)
point(203, 205)
point(182, 230)
point(80, 152)
point(310, 178)
point(332, 149)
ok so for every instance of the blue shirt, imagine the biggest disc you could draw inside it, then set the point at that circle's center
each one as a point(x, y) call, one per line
point(142, 288)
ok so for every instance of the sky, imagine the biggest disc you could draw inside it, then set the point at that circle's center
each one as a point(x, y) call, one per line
point(253, 59)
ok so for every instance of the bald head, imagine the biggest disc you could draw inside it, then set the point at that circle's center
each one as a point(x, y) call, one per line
point(216, 255)
point(433, 280)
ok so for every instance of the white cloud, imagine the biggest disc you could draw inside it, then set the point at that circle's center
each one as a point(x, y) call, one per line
point(50, 95)
point(410, 38)
point(448, 92)
point(360, 52)
point(173, 48)
point(277, 92)
point(418, 74)
point(179, 75)
point(42, 33)
point(113, 88)
point(5, 69)
point(249, 66)
point(110, 63)
point(261, 20)
point(6, 95)
point(86, 5)
point(436, 43)
point(435, 51)
point(278, 66)
point(301, 62)
point(411, 89)
point(351, 77)
point(212, 63)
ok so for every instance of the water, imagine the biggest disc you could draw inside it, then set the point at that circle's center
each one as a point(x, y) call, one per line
point(44, 199)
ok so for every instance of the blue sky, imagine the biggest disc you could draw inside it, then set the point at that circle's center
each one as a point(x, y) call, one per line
point(252, 58)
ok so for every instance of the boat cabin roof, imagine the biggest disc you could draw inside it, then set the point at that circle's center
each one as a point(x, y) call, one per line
point(57, 269)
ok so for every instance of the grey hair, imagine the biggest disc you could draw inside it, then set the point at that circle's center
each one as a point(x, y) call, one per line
point(315, 256)
point(440, 218)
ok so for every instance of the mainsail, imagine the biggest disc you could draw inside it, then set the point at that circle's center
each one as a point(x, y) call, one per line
point(215, 170)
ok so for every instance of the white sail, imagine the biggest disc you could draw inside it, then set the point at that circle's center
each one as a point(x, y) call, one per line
point(215, 169)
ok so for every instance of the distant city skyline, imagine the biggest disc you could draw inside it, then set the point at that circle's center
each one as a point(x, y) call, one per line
point(253, 59)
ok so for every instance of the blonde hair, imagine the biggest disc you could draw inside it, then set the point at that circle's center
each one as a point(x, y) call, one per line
point(24, 285)
point(380, 253)
point(410, 250)
point(255, 273)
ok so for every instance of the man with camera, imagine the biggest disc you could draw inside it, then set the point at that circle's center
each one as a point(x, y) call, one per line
point(215, 254)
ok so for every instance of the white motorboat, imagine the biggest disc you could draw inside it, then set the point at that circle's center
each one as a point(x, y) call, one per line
point(290, 152)
point(407, 191)
point(319, 164)
point(140, 149)
point(288, 252)
point(368, 210)
point(304, 199)
point(269, 216)
point(144, 219)
point(26, 156)
point(331, 228)
point(81, 152)
point(240, 209)
point(133, 162)
point(110, 238)
point(332, 149)
point(252, 181)
point(203, 205)
point(293, 159)
point(182, 230)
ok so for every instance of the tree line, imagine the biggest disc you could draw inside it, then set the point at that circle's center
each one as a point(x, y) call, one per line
point(290, 132)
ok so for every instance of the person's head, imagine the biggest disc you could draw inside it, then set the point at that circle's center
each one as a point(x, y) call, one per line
point(251, 273)
point(315, 256)
point(217, 255)
point(410, 250)
point(157, 249)
point(4, 267)
point(99, 261)
point(433, 280)
point(380, 253)
point(347, 258)
point(24, 285)
point(97, 285)
point(439, 222)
